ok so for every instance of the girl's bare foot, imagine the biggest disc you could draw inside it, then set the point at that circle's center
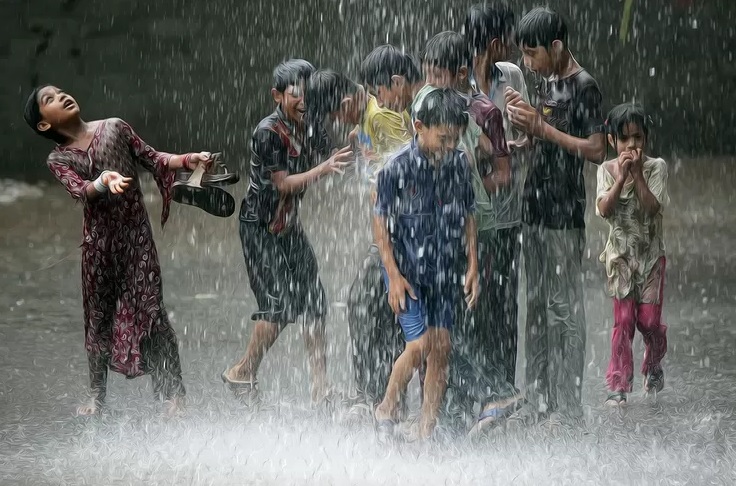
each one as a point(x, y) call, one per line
point(92, 407)
point(174, 406)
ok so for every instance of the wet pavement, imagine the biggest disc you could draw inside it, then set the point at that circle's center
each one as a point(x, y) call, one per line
point(686, 436)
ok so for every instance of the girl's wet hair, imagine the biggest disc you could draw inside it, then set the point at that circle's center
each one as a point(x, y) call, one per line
point(443, 106)
point(386, 61)
point(626, 113)
point(324, 93)
point(488, 21)
point(447, 50)
point(32, 115)
point(540, 28)
point(291, 73)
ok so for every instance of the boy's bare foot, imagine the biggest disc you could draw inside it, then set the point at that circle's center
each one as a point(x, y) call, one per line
point(174, 406)
point(92, 407)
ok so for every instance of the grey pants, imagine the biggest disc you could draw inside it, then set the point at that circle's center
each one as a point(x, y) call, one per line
point(555, 324)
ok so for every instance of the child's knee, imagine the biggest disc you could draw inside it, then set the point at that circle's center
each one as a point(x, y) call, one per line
point(650, 318)
point(441, 342)
point(624, 314)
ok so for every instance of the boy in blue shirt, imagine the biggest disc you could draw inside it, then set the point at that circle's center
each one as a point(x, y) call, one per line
point(423, 219)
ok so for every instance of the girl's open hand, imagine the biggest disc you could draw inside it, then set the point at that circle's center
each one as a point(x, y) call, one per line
point(116, 183)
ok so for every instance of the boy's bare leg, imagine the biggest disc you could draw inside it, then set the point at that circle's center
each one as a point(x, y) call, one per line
point(402, 372)
point(314, 340)
point(264, 335)
point(435, 383)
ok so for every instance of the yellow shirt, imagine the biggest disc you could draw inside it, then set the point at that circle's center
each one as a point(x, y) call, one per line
point(384, 131)
point(381, 133)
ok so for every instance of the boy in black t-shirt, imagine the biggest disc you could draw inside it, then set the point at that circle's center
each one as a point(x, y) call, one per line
point(567, 128)
point(281, 265)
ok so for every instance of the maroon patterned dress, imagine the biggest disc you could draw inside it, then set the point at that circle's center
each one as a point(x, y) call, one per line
point(126, 326)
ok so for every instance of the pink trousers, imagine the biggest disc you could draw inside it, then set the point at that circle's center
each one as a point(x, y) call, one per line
point(629, 315)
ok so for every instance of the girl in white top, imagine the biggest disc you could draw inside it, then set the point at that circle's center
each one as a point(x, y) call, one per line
point(631, 197)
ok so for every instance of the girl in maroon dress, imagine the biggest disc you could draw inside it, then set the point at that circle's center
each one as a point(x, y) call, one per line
point(126, 326)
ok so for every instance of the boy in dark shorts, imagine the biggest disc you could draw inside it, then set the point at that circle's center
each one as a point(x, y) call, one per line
point(282, 268)
point(423, 220)
point(568, 129)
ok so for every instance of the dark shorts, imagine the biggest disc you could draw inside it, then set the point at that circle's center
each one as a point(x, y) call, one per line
point(432, 308)
point(283, 274)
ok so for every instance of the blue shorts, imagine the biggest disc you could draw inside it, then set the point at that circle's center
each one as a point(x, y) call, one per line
point(431, 309)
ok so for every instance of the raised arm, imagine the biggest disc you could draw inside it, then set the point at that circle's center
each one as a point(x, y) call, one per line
point(160, 164)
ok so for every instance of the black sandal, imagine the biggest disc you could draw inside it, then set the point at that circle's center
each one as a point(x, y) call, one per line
point(218, 175)
point(616, 399)
point(212, 199)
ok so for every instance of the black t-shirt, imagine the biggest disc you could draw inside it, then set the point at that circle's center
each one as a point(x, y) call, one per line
point(554, 193)
point(277, 146)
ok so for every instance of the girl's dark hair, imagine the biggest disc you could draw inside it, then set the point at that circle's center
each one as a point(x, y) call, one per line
point(447, 50)
point(386, 61)
point(325, 91)
point(540, 28)
point(290, 73)
point(32, 115)
point(624, 114)
point(488, 21)
point(443, 106)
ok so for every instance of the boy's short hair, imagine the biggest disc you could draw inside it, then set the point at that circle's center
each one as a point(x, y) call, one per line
point(443, 106)
point(447, 50)
point(487, 21)
point(290, 73)
point(325, 91)
point(540, 28)
point(386, 61)
point(626, 113)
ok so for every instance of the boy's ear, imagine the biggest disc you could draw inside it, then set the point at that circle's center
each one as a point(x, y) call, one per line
point(397, 81)
point(346, 103)
point(558, 46)
point(43, 126)
point(418, 126)
point(462, 73)
point(611, 142)
point(278, 96)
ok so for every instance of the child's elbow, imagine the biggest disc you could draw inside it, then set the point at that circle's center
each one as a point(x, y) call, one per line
point(598, 155)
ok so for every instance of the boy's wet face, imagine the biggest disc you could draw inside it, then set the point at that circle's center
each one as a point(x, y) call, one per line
point(631, 138)
point(437, 141)
point(56, 107)
point(538, 59)
point(291, 101)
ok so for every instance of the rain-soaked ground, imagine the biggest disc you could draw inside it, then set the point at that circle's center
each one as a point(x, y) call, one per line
point(688, 436)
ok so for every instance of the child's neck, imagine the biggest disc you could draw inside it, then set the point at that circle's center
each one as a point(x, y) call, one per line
point(567, 66)
point(74, 130)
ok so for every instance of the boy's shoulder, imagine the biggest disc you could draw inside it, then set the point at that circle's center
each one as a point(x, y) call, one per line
point(398, 160)
point(584, 80)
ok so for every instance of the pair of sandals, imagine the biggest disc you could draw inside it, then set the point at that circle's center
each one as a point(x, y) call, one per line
point(203, 188)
